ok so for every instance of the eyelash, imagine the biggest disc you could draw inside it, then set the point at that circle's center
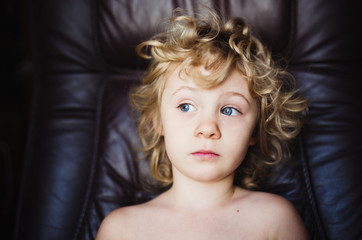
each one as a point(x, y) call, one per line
point(232, 108)
point(181, 106)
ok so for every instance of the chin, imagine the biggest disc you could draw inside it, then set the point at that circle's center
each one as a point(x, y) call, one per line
point(210, 177)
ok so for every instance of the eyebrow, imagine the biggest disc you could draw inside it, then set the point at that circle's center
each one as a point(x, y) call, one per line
point(231, 93)
point(234, 93)
point(184, 88)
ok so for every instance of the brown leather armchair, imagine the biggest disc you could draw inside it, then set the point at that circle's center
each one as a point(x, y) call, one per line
point(83, 140)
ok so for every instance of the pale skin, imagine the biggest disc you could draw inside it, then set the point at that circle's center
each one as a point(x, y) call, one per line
point(207, 134)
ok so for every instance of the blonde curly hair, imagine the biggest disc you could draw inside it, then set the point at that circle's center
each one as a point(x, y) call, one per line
point(211, 43)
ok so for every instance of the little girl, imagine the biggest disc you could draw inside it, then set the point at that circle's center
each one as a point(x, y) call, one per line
point(216, 113)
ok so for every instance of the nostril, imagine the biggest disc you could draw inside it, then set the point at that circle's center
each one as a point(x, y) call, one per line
point(208, 131)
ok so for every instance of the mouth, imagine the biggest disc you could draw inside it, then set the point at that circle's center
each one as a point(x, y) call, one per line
point(205, 154)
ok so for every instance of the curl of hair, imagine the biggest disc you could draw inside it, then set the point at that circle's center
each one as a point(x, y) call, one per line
point(225, 47)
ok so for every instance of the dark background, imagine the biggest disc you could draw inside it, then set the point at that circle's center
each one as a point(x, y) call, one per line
point(16, 85)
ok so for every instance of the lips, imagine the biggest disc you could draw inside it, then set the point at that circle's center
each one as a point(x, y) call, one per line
point(205, 154)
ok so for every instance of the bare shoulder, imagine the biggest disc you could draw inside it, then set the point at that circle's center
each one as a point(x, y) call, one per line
point(270, 203)
point(278, 214)
point(113, 224)
point(119, 224)
point(124, 223)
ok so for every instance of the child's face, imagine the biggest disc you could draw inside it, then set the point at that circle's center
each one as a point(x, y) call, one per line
point(207, 132)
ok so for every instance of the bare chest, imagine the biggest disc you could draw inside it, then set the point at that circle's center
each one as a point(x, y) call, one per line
point(223, 225)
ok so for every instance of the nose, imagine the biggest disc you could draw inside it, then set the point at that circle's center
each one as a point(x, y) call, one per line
point(208, 128)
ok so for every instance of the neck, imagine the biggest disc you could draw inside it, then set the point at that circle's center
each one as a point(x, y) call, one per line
point(197, 195)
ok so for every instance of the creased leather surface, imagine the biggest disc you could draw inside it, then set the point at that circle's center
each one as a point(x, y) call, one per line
point(83, 144)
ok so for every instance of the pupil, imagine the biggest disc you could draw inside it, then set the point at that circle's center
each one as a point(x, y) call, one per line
point(185, 108)
point(227, 111)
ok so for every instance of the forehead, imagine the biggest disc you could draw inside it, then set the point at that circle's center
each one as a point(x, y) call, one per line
point(179, 83)
point(199, 77)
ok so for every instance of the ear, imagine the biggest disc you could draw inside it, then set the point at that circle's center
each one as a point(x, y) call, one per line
point(253, 140)
point(254, 137)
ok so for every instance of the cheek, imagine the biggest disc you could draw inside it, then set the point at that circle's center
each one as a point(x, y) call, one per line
point(175, 143)
point(174, 122)
point(174, 130)
point(241, 136)
point(240, 147)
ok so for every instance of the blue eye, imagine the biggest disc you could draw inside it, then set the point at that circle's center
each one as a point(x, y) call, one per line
point(229, 111)
point(186, 107)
